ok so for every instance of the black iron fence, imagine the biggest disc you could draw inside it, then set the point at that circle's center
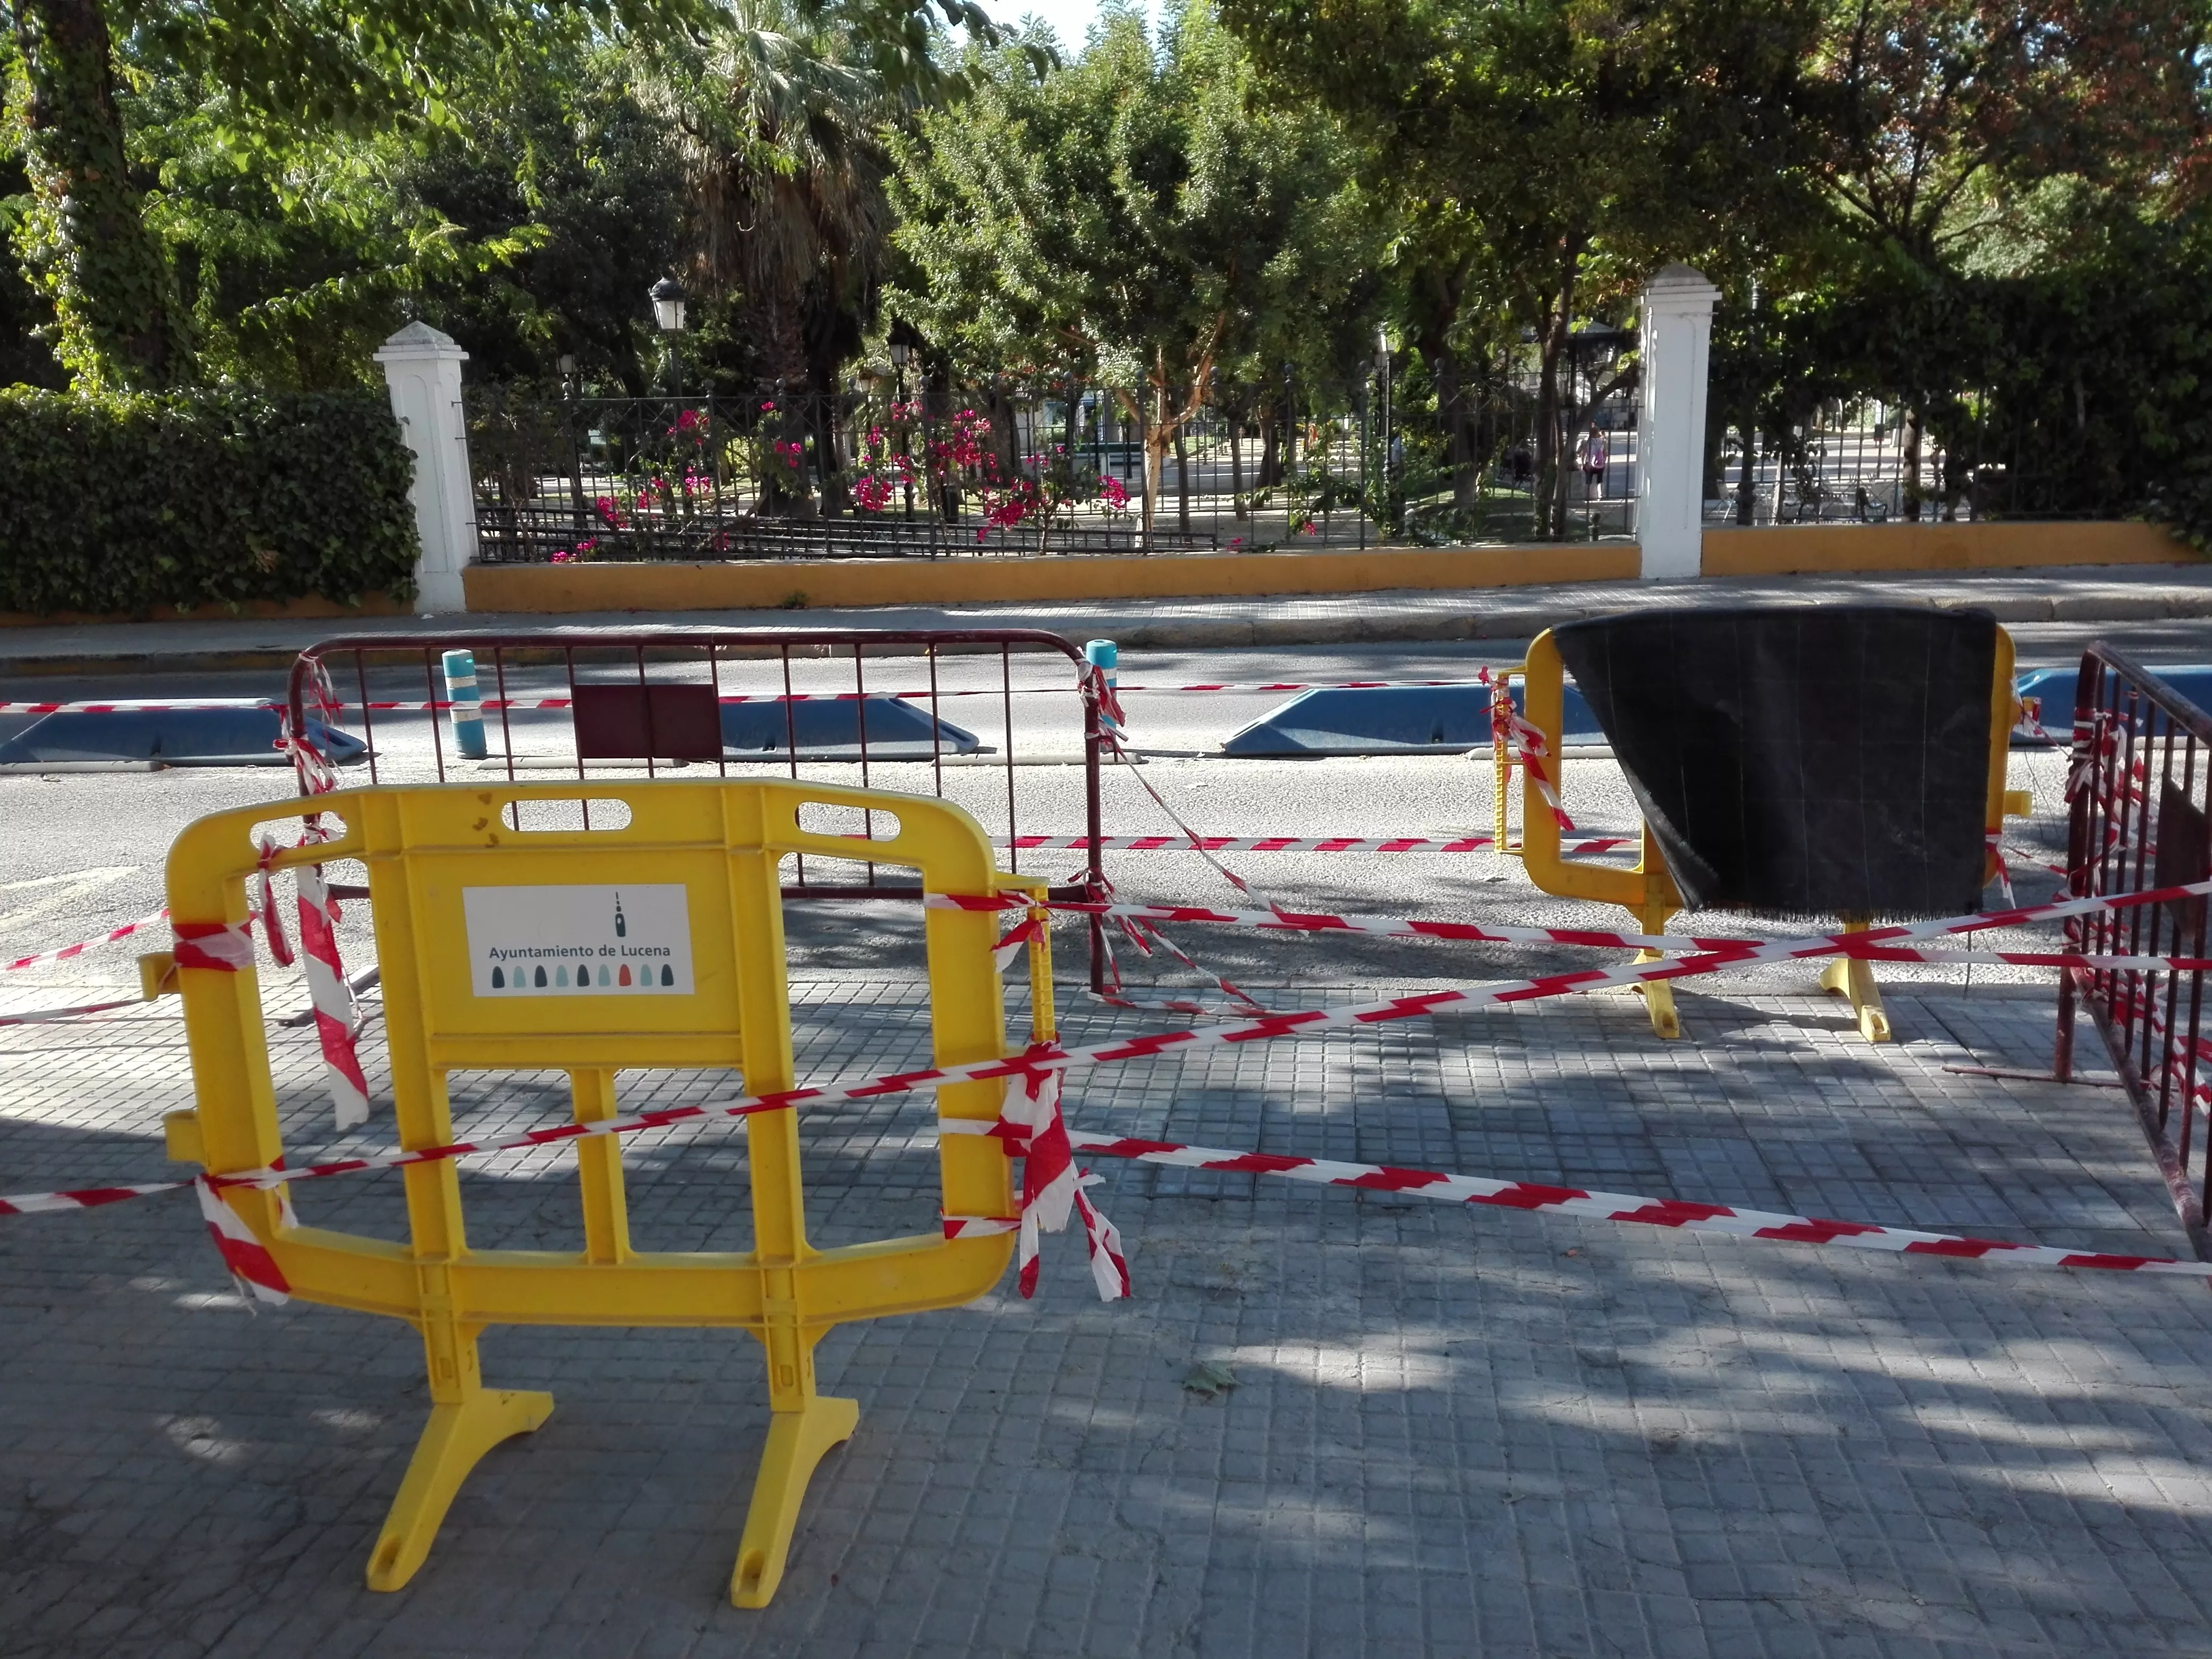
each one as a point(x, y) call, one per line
point(877, 473)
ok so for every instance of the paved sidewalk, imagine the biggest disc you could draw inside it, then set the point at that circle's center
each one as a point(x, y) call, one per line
point(2100, 594)
point(1453, 1431)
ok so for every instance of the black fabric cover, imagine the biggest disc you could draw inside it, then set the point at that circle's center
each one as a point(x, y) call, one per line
point(1813, 761)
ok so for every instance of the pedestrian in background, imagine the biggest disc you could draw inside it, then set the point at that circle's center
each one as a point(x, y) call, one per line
point(1593, 454)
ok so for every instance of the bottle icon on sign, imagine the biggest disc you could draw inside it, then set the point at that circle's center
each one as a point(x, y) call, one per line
point(622, 927)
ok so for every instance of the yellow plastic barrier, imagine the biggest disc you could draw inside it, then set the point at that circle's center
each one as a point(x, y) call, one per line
point(1647, 891)
point(656, 945)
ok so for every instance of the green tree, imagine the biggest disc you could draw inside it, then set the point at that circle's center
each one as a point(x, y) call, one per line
point(1555, 150)
point(1138, 219)
point(1944, 128)
point(277, 74)
point(84, 240)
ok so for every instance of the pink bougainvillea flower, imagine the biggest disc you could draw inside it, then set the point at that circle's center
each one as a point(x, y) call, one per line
point(563, 557)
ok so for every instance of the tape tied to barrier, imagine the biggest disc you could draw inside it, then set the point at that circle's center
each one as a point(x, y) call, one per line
point(224, 947)
point(1055, 1059)
point(1030, 1127)
point(329, 993)
point(1510, 733)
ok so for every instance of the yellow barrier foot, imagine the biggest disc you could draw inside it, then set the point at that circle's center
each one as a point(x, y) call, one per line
point(1850, 977)
point(1659, 1002)
point(458, 1435)
point(796, 1442)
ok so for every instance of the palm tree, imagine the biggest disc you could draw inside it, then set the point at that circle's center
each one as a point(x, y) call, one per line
point(780, 107)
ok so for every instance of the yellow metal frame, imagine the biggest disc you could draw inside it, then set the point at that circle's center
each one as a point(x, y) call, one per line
point(1648, 891)
point(723, 841)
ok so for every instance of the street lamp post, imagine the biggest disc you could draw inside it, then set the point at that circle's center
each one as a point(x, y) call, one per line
point(1383, 369)
point(667, 297)
point(900, 350)
point(572, 418)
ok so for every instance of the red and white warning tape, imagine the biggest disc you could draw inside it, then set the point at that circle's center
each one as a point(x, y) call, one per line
point(328, 991)
point(1289, 843)
point(1685, 1216)
point(70, 951)
point(1528, 746)
point(1868, 946)
point(228, 946)
point(1032, 1127)
point(130, 707)
point(41, 1015)
point(402, 705)
point(230, 939)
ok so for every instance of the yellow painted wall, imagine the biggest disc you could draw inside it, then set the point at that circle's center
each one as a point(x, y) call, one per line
point(1833, 547)
point(837, 583)
point(840, 582)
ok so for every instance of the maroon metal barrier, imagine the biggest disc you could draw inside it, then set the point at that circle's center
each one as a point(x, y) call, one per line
point(2141, 790)
point(658, 696)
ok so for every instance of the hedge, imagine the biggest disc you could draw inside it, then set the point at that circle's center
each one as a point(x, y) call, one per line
point(137, 502)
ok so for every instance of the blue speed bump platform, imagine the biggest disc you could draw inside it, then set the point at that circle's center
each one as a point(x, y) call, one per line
point(2049, 693)
point(1412, 720)
point(244, 735)
point(1403, 719)
point(830, 729)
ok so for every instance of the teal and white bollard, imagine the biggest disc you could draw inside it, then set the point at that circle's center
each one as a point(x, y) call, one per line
point(468, 709)
point(1106, 657)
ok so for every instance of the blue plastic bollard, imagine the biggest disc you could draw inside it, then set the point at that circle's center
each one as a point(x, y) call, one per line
point(460, 668)
point(1105, 656)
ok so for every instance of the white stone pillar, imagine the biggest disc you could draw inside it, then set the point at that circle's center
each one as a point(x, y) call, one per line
point(423, 369)
point(1670, 481)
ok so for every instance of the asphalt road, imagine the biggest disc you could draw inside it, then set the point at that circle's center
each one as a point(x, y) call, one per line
point(82, 851)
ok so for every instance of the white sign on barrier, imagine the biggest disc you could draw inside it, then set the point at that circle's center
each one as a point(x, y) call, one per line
point(579, 941)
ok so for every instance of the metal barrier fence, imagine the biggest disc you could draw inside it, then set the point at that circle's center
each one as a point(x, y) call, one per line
point(2141, 798)
point(747, 704)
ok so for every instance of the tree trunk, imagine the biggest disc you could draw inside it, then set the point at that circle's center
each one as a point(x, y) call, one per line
point(1551, 453)
point(1182, 482)
point(1236, 465)
point(1155, 434)
point(1006, 433)
point(1459, 431)
point(1551, 473)
point(822, 417)
point(1270, 455)
point(85, 241)
point(1746, 486)
point(1912, 464)
point(1453, 413)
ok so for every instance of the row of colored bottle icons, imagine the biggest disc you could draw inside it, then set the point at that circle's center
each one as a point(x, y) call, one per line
point(561, 980)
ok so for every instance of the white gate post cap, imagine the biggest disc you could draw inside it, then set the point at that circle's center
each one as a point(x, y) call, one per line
point(416, 342)
point(1675, 286)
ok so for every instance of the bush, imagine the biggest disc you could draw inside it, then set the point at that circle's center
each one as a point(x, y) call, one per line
point(136, 501)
